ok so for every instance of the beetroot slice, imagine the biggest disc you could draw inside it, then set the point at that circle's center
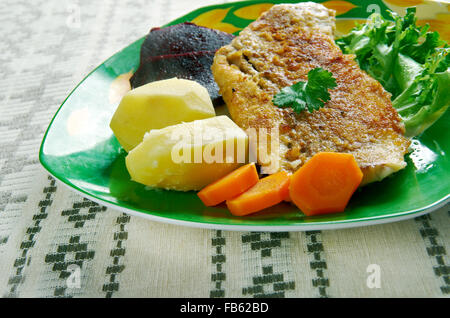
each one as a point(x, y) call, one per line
point(185, 51)
point(183, 38)
point(192, 66)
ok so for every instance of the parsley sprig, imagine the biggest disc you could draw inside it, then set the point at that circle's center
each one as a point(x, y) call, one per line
point(310, 95)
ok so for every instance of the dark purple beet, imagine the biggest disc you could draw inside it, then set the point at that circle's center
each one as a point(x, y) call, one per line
point(183, 38)
point(191, 66)
point(185, 51)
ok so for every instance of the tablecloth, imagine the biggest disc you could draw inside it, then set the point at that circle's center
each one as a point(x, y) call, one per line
point(55, 243)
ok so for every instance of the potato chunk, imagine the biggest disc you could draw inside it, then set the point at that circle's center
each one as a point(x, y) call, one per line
point(157, 105)
point(188, 156)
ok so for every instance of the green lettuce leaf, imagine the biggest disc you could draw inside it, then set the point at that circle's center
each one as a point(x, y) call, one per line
point(409, 61)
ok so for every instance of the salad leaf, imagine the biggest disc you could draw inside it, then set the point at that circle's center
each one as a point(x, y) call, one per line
point(310, 95)
point(409, 61)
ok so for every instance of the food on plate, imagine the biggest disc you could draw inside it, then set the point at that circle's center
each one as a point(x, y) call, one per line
point(338, 121)
point(188, 156)
point(157, 105)
point(268, 192)
point(229, 186)
point(325, 183)
point(185, 51)
point(409, 61)
point(277, 51)
point(310, 95)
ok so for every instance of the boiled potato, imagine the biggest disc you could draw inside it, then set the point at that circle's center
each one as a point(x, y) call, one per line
point(188, 156)
point(157, 105)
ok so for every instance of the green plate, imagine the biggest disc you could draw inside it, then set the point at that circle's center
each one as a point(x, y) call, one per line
point(80, 150)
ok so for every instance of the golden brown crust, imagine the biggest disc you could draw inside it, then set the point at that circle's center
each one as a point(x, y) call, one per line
point(278, 50)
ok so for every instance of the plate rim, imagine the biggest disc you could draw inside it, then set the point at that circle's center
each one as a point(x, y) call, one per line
point(320, 225)
point(326, 225)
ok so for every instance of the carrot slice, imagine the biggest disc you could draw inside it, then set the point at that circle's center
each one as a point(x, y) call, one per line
point(288, 196)
point(230, 186)
point(325, 183)
point(267, 192)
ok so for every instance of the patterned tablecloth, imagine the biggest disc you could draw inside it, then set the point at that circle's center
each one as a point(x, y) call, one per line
point(54, 243)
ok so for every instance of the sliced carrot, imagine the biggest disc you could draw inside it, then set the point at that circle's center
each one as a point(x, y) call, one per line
point(267, 192)
point(288, 197)
point(325, 183)
point(230, 186)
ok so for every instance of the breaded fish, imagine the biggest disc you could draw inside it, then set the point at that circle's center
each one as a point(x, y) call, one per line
point(278, 50)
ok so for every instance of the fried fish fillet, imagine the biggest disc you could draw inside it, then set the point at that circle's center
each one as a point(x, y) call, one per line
point(278, 50)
